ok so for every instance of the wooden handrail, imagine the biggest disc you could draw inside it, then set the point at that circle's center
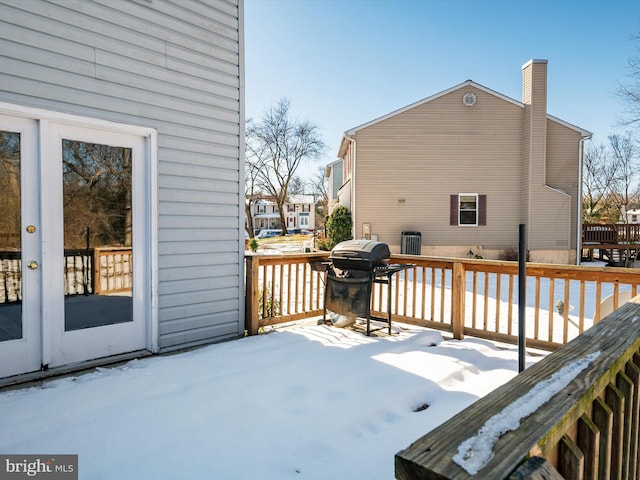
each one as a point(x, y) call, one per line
point(93, 271)
point(610, 233)
point(453, 295)
point(113, 270)
point(587, 428)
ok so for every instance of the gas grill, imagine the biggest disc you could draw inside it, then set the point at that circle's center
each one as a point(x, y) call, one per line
point(352, 269)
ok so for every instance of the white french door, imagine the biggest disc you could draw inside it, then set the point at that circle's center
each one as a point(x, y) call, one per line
point(20, 293)
point(73, 267)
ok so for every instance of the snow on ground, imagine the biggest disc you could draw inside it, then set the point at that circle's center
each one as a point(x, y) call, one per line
point(307, 402)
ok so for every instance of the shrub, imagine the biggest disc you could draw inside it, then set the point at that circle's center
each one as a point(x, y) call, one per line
point(510, 255)
point(339, 226)
point(253, 245)
point(266, 307)
point(322, 244)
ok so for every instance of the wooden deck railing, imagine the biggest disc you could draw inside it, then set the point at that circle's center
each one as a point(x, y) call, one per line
point(464, 297)
point(573, 415)
point(610, 233)
point(282, 288)
point(95, 271)
point(113, 270)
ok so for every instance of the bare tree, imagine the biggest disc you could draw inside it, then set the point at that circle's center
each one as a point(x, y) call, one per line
point(10, 190)
point(625, 189)
point(251, 191)
point(629, 93)
point(610, 178)
point(597, 179)
point(96, 194)
point(297, 186)
point(280, 145)
point(320, 190)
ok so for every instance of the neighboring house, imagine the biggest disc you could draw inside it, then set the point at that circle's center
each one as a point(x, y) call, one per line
point(299, 213)
point(265, 215)
point(464, 168)
point(333, 174)
point(122, 131)
point(632, 214)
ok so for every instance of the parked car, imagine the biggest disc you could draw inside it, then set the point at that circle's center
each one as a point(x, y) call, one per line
point(269, 233)
point(299, 231)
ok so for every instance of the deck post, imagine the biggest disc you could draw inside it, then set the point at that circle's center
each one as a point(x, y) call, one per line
point(96, 283)
point(458, 288)
point(522, 296)
point(252, 293)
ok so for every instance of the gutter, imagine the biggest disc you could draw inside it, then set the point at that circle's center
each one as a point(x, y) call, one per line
point(579, 228)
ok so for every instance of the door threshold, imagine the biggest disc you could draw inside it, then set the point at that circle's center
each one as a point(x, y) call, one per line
point(21, 380)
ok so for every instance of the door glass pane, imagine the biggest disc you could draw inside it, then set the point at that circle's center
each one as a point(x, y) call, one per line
point(10, 246)
point(97, 234)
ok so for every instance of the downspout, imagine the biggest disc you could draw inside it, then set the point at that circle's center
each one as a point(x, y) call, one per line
point(579, 229)
point(353, 185)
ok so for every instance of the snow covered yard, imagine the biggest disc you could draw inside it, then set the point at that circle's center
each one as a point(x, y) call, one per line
point(306, 402)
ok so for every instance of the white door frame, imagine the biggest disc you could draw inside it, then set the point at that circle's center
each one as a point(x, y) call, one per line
point(50, 345)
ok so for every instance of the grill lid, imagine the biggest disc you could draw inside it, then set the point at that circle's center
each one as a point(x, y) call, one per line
point(361, 250)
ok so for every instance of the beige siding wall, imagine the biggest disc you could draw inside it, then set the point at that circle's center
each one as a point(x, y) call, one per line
point(409, 164)
point(563, 166)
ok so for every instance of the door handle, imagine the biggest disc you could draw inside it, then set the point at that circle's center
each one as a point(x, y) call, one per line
point(33, 265)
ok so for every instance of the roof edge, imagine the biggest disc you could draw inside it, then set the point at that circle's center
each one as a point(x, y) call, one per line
point(584, 133)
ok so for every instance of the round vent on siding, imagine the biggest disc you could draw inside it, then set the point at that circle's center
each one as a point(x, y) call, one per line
point(469, 99)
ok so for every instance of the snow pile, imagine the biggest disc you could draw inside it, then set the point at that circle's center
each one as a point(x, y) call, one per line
point(475, 452)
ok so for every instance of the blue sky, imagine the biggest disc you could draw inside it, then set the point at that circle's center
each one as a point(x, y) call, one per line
point(345, 62)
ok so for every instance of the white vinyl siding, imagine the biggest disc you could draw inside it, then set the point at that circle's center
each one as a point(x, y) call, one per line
point(174, 66)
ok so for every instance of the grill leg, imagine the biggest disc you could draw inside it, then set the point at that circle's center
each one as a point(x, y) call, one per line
point(389, 302)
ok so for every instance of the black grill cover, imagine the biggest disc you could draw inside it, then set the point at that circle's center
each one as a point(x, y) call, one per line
point(359, 254)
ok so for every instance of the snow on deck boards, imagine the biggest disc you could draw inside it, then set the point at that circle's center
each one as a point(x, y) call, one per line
point(310, 402)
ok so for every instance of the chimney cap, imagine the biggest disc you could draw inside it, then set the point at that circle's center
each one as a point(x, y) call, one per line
point(534, 60)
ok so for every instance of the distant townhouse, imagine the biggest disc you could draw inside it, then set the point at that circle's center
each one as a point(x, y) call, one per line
point(299, 213)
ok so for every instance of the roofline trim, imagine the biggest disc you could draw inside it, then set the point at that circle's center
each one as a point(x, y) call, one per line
point(584, 133)
point(434, 97)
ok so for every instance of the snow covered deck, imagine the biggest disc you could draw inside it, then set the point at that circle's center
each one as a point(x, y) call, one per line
point(578, 408)
point(304, 402)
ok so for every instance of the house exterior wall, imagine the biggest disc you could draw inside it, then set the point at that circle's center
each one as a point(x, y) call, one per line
point(334, 179)
point(406, 170)
point(563, 174)
point(175, 67)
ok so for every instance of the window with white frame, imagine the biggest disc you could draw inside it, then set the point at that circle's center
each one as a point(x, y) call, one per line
point(304, 219)
point(468, 209)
